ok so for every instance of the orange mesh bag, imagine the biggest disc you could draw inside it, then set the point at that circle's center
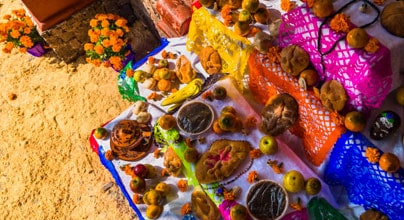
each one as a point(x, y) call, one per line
point(318, 127)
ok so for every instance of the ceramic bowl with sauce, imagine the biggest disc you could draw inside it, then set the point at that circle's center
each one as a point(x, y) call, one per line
point(195, 117)
point(267, 200)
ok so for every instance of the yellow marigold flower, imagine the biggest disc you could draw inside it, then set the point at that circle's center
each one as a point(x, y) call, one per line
point(88, 46)
point(26, 41)
point(99, 49)
point(106, 43)
point(93, 23)
point(27, 30)
point(7, 17)
point(372, 46)
point(116, 48)
point(104, 23)
point(15, 34)
point(121, 22)
point(287, 5)
point(340, 23)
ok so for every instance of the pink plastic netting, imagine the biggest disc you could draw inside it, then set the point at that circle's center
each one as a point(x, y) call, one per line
point(366, 77)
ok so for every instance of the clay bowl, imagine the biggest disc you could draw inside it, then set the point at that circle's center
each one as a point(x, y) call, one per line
point(267, 200)
point(195, 118)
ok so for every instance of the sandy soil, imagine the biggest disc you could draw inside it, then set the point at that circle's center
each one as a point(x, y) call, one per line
point(48, 170)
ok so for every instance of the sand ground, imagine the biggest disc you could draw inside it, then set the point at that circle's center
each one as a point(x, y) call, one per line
point(48, 170)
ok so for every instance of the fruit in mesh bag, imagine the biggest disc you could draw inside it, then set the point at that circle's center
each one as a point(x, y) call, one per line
point(294, 59)
point(355, 121)
point(333, 95)
point(357, 38)
point(323, 8)
point(389, 162)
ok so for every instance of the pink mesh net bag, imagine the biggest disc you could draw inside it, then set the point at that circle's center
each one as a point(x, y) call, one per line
point(367, 77)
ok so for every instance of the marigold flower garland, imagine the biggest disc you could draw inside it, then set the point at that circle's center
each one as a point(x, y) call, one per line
point(108, 41)
point(18, 32)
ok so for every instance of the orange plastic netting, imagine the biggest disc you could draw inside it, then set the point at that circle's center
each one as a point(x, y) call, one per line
point(318, 127)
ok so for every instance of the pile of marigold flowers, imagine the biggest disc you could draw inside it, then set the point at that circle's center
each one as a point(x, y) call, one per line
point(18, 32)
point(108, 41)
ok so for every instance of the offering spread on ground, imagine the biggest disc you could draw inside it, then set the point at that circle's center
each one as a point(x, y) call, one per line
point(242, 123)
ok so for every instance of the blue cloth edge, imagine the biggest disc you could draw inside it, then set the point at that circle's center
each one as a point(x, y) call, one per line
point(111, 168)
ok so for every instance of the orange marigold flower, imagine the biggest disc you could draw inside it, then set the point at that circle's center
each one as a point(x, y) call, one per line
point(186, 209)
point(7, 17)
point(229, 195)
point(164, 54)
point(93, 38)
point(287, 5)
point(340, 23)
point(226, 11)
point(150, 60)
point(372, 154)
point(9, 46)
point(106, 43)
point(130, 73)
point(120, 32)
point(137, 198)
point(252, 176)
point(255, 153)
point(116, 48)
point(29, 22)
point(93, 22)
point(99, 49)
point(379, 2)
point(105, 32)
point(88, 46)
point(15, 34)
point(27, 30)
point(26, 41)
point(23, 49)
point(337, 118)
point(276, 167)
point(101, 16)
point(104, 23)
point(108, 155)
point(96, 62)
point(106, 64)
point(121, 22)
point(88, 59)
point(297, 205)
point(208, 95)
point(182, 185)
point(372, 46)
point(310, 3)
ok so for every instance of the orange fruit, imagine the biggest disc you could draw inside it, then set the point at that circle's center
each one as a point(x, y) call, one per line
point(389, 162)
point(310, 76)
point(323, 8)
point(357, 38)
point(167, 122)
point(400, 95)
point(355, 121)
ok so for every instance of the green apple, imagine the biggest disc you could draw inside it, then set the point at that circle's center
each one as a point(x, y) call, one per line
point(139, 76)
point(268, 145)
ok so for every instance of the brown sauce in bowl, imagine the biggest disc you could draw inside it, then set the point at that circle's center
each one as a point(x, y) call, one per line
point(195, 117)
point(266, 200)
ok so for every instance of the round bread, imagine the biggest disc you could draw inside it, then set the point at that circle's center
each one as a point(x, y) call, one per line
point(333, 95)
point(279, 114)
point(128, 141)
point(294, 59)
point(210, 60)
point(392, 17)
